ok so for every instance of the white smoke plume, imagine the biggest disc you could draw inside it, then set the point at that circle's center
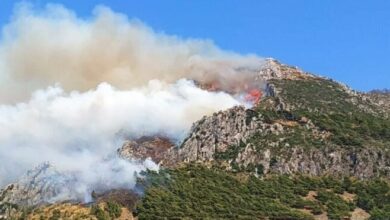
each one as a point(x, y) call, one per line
point(40, 48)
point(68, 86)
point(76, 131)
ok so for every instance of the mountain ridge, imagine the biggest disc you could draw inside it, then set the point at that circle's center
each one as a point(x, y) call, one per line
point(302, 125)
point(305, 110)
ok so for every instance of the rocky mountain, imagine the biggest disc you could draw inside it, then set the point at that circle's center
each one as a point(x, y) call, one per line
point(304, 124)
point(311, 148)
point(41, 185)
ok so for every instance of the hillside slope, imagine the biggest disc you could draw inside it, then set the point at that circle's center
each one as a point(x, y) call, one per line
point(332, 142)
point(304, 124)
point(196, 192)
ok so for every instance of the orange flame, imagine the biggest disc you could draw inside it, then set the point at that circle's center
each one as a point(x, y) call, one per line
point(254, 96)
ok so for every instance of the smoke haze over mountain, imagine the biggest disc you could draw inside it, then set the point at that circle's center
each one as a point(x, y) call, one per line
point(70, 86)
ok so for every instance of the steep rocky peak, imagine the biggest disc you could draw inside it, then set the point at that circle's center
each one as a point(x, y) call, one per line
point(273, 69)
point(42, 184)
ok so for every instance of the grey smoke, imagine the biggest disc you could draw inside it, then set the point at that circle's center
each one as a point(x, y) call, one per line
point(69, 85)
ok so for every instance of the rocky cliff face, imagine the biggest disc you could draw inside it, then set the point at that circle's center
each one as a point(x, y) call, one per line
point(226, 139)
point(214, 134)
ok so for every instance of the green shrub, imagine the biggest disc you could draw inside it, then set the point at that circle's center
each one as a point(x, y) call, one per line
point(327, 104)
point(337, 207)
point(194, 191)
point(113, 209)
point(99, 213)
point(380, 214)
point(198, 192)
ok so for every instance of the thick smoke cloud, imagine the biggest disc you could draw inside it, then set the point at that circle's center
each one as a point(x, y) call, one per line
point(71, 88)
point(40, 48)
point(77, 132)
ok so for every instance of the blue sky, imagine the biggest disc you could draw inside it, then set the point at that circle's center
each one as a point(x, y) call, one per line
point(346, 40)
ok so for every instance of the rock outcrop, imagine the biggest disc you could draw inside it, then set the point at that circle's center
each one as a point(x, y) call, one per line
point(146, 147)
point(273, 69)
point(334, 161)
point(214, 134)
point(40, 185)
point(380, 98)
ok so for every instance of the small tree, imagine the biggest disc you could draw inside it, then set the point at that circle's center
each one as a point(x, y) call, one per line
point(113, 209)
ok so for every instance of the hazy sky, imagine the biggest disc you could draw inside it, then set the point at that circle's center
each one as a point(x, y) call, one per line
point(347, 40)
